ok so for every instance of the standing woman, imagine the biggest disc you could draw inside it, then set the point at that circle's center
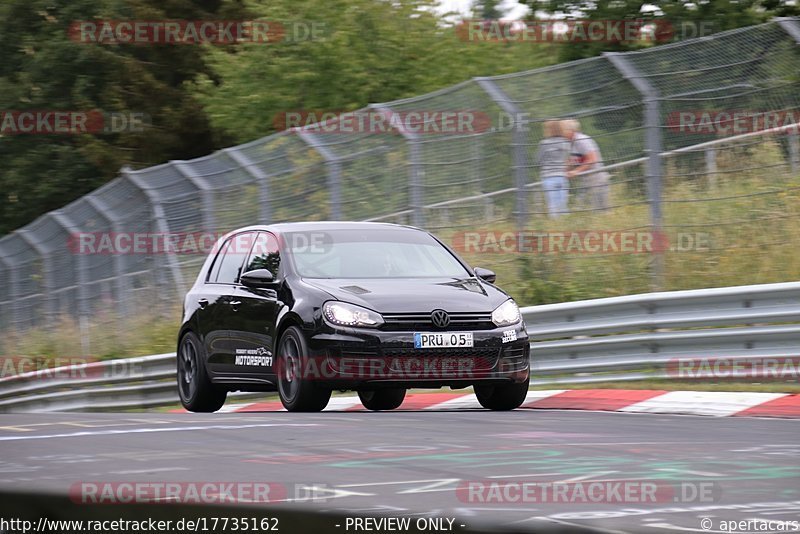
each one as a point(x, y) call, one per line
point(552, 162)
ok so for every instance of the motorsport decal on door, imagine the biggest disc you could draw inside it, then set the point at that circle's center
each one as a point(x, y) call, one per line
point(259, 357)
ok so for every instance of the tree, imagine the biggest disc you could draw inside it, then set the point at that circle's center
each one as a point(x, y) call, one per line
point(487, 9)
point(684, 19)
point(42, 68)
point(369, 51)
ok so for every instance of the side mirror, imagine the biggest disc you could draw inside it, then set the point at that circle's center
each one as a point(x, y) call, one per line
point(258, 278)
point(485, 274)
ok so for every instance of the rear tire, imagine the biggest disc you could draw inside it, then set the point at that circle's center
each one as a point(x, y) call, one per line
point(502, 398)
point(195, 389)
point(298, 394)
point(382, 399)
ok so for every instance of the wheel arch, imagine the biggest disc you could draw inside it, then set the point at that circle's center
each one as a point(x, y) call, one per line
point(288, 320)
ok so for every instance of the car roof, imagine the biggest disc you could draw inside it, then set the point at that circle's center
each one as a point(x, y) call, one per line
point(327, 225)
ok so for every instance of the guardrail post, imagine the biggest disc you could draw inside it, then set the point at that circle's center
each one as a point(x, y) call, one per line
point(334, 166)
point(161, 224)
point(416, 174)
point(794, 151)
point(519, 140)
point(653, 149)
point(261, 178)
point(206, 193)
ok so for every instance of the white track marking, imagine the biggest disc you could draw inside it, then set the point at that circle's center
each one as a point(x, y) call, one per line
point(719, 403)
point(147, 471)
point(467, 402)
point(149, 430)
point(541, 394)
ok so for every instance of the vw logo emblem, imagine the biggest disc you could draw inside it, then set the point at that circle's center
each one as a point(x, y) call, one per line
point(440, 318)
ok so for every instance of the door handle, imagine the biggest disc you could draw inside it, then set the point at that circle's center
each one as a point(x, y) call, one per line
point(203, 303)
point(235, 304)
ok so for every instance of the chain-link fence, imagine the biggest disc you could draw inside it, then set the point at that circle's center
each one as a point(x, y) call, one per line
point(696, 136)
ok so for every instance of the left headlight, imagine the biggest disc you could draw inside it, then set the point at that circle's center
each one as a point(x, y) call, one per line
point(506, 314)
point(345, 314)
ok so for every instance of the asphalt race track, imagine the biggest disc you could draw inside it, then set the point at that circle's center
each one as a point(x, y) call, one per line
point(417, 463)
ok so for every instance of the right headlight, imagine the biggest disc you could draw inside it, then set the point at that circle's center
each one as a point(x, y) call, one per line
point(346, 314)
point(506, 314)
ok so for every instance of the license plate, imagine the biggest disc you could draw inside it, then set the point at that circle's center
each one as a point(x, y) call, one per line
point(442, 340)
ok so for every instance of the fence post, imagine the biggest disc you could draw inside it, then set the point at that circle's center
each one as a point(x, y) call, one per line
point(792, 27)
point(121, 282)
point(711, 166)
point(161, 224)
point(653, 149)
point(13, 287)
point(794, 151)
point(261, 178)
point(334, 166)
point(83, 308)
point(206, 193)
point(47, 272)
point(416, 174)
point(519, 139)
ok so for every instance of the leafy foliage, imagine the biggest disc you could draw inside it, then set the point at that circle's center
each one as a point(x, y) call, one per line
point(42, 68)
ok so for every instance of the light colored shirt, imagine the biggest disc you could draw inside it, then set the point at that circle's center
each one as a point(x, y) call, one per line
point(552, 157)
point(582, 146)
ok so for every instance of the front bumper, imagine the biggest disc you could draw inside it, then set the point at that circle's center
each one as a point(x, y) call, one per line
point(349, 358)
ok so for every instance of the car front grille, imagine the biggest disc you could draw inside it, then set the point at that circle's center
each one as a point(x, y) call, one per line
point(514, 358)
point(415, 322)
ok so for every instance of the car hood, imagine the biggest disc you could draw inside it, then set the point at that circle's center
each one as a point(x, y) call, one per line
point(408, 295)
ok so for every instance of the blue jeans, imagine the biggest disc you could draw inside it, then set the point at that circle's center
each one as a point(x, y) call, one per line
point(556, 189)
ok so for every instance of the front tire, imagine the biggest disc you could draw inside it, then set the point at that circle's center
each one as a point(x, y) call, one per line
point(195, 389)
point(382, 399)
point(502, 398)
point(297, 393)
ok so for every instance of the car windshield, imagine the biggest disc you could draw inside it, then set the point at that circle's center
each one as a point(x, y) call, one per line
point(371, 254)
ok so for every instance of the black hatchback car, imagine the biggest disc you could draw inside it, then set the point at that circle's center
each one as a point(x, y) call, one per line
point(308, 308)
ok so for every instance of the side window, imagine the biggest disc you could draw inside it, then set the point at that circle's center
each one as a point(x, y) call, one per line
point(265, 254)
point(235, 251)
point(212, 274)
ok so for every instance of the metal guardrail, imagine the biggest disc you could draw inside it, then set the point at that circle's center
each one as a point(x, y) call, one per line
point(613, 339)
point(642, 336)
point(128, 383)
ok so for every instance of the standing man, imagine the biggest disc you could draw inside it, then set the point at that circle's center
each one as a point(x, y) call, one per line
point(552, 161)
point(586, 157)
